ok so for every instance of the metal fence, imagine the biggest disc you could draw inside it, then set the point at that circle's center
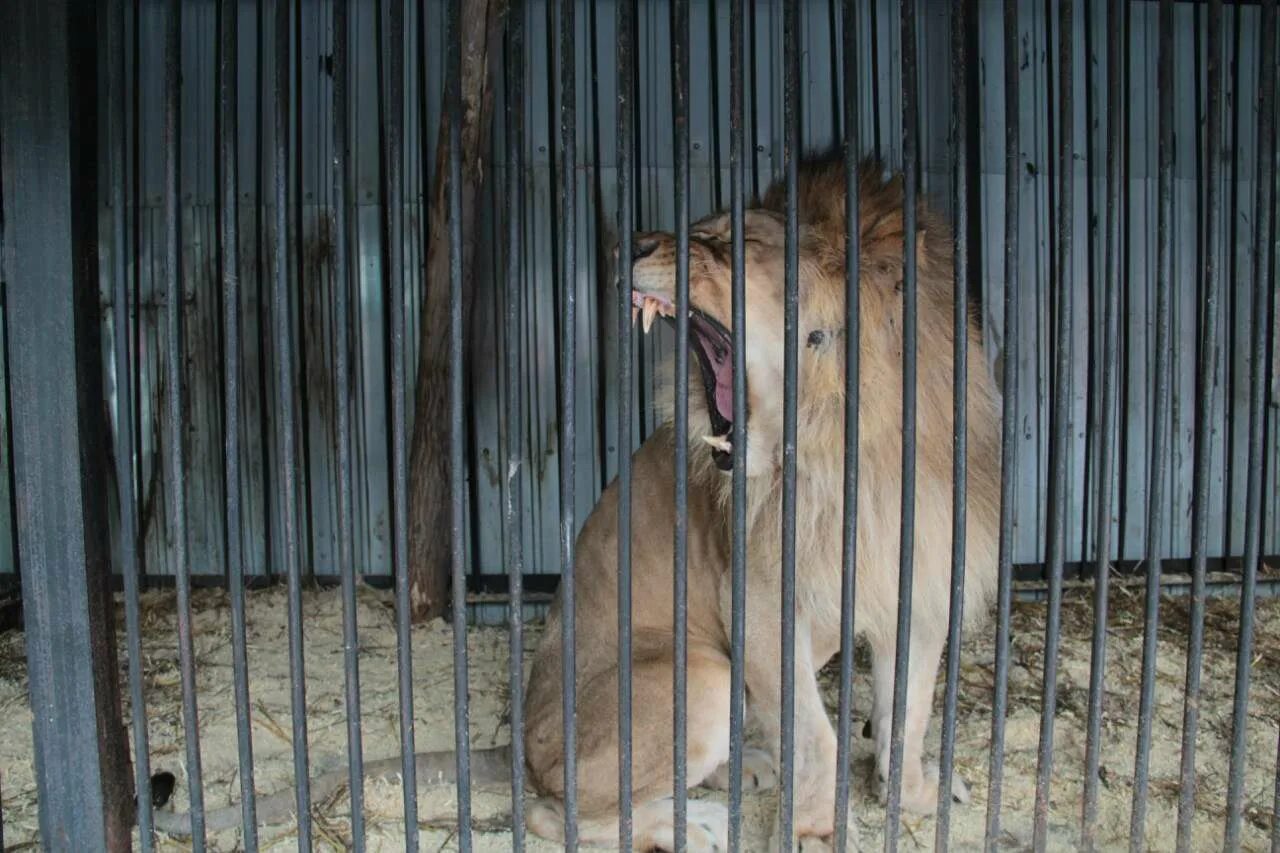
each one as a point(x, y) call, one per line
point(1147, 304)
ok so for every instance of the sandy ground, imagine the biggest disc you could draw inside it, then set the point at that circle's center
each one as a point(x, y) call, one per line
point(432, 661)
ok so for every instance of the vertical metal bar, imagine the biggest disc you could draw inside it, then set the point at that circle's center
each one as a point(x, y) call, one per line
point(175, 487)
point(392, 86)
point(1106, 428)
point(346, 252)
point(286, 465)
point(306, 553)
point(125, 428)
point(568, 379)
point(738, 309)
point(853, 338)
point(457, 436)
point(1060, 419)
point(959, 393)
point(1208, 342)
point(48, 152)
point(514, 65)
point(790, 380)
point(228, 63)
point(1257, 424)
point(680, 596)
point(906, 564)
point(626, 225)
point(1009, 420)
point(1160, 461)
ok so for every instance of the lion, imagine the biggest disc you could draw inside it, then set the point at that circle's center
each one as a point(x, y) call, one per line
point(818, 544)
point(819, 490)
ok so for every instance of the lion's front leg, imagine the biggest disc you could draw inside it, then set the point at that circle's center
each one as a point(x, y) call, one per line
point(814, 768)
point(919, 780)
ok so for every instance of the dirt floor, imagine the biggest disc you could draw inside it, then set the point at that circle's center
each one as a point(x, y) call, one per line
point(433, 696)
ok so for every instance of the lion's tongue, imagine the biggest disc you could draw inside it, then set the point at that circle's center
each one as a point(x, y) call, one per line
point(724, 389)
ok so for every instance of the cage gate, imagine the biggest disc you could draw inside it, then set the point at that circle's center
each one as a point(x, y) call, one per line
point(1044, 478)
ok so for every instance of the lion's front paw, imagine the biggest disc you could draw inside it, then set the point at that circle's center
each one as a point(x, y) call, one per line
point(758, 773)
point(920, 790)
point(815, 836)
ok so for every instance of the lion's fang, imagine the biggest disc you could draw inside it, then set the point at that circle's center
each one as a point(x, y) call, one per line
point(719, 442)
point(650, 311)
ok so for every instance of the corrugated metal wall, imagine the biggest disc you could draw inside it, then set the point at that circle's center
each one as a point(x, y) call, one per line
point(312, 238)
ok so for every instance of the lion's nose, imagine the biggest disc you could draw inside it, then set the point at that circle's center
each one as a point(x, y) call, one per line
point(642, 246)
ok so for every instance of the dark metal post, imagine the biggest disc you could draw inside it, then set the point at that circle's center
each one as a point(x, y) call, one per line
point(906, 560)
point(1109, 404)
point(790, 379)
point(1060, 421)
point(680, 596)
point(568, 379)
point(228, 26)
point(1259, 331)
point(457, 436)
point(175, 467)
point(738, 568)
point(48, 153)
point(1206, 387)
point(853, 337)
point(626, 201)
point(1009, 419)
point(345, 258)
point(960, 376)
point(390, 22)
point(126, 479)
point(514, 65)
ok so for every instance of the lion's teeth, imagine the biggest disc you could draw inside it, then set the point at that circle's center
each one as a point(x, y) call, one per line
point(719, 442)
point(650, 311)
point(635, 312)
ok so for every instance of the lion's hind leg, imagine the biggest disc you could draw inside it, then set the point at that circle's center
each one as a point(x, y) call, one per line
point(597, 766)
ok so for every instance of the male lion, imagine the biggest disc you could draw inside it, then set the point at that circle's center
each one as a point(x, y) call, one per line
point(819, 490)
point(820, 465)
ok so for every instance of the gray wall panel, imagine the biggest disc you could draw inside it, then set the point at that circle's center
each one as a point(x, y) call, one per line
point(880, 99)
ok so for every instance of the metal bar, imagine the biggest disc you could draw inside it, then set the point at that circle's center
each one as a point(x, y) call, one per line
point(1257, 422)
point(175, 489)
point(1208, 342)
point(680, 582)
point(306, 554)
point(852, 378)
point(392, 86)
point(346, 250)
point(514, 66)
point(1106, 429)
point(738, 310)
point(790, 380)
point(906, 563)
point(959, 392)
point(286, 465)
point(457, 434)
point(1060, 419)
point(1160, 459)
point(1009, 422)
point(228, 58)
point(626, 225)
point(568, 378)
point(48, 152)
point(126, 491)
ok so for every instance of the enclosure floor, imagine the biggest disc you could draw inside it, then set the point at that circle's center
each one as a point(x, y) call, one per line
point(487, 648)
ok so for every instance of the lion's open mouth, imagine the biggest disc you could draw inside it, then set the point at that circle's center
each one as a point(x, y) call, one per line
point(712, 345)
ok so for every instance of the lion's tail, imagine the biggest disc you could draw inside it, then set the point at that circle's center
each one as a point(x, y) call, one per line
point(488, 767)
